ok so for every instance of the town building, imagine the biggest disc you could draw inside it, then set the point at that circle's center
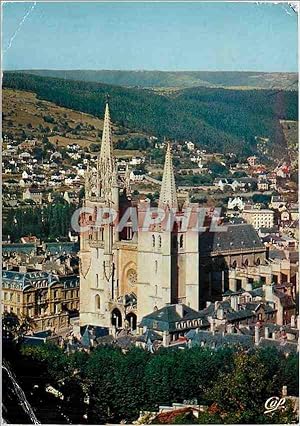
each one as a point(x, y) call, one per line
point(252, 160)
point(44, 297)
point(33, 194)
point(259, 218)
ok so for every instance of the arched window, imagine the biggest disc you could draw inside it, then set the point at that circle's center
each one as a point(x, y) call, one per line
point(159, 241)
point(246, 262)
point(97, 302)
point(233, 265)
point(181, 241)
point(257, 262)
point(153, 240)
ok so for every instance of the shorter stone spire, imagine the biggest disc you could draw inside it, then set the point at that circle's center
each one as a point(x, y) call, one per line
point(168, 196)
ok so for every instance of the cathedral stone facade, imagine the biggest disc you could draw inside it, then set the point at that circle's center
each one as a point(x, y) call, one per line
point(127, 273)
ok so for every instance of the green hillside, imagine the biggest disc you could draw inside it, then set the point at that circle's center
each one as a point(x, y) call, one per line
point(182, 79)
point(217, 119)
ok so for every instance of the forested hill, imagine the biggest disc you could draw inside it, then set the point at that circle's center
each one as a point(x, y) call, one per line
point(181, 79)
point(217, 119)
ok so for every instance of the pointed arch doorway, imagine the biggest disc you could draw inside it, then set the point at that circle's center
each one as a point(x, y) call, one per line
point(116, 318)
point(132, 320)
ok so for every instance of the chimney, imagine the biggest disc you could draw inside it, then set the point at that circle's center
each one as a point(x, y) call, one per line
point(256, 335)
point(208, 304)
point(248, 286)
point(229, 328)
point(284, 391)
point(268, 290)
point(212, 325)
point(179, 309)
point(166, 338)
point(293, 322)
point(220, 313)
point(233, 303)
point(266, 332)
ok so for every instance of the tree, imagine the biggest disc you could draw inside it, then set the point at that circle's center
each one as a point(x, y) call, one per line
point(241, 394)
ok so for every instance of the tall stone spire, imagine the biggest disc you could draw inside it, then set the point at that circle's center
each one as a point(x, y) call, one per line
point(106, 161)
point(168, 196)
point(106, 152)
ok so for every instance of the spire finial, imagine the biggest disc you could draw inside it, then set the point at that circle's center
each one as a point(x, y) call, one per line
point(168, 196)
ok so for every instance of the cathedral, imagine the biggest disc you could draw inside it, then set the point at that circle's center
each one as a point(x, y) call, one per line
point(154, 260)
point(128, 273)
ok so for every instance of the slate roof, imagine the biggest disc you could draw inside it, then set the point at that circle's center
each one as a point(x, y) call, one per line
point(287, 328)
point(239, 315)
point(23, 280)
point(253, 306)
point(149, 335)
point(18, 248)
point(67, 247)
point(165, 318)
point(218, 339)
point(272, 230)
point(237, 237)
point(32, 341)
point(277, 254)
point(284, 346)
point(93, 331)
point(257, 292)
point(70, 281)
point(285, 299)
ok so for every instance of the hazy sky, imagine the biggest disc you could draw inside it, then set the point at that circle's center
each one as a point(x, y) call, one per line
point(153, 36)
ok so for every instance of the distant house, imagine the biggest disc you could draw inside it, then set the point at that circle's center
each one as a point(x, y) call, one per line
point(190, 145)
point(252, 160)
point(234, 203)
point(34, 194)
point(263, 183)
point(137, 175)
point(259, 218)
point(277, 201)
point(135, 161)
point(71, 197)
point(24, 156)
point(25, 183)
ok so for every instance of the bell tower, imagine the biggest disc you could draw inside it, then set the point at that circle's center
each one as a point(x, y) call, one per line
point(98, 277)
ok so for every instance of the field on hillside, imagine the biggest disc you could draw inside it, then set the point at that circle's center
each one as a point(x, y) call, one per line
point(23, 112)
point(219, 120)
